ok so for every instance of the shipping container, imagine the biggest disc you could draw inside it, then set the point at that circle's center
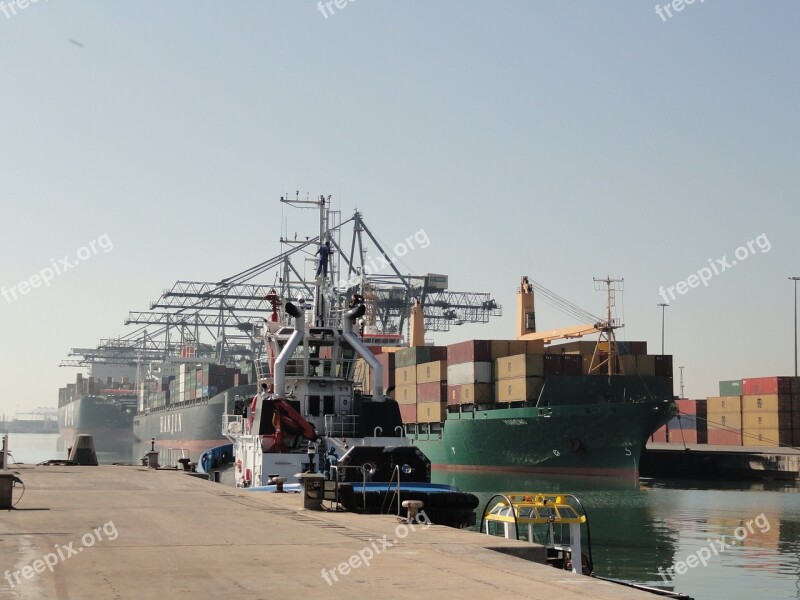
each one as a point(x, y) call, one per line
point(406, 394)
point(693, 407)
point(719, 437)
point(432, 371)
point(519, 365)
point(480, 393)
point(470, 372)
point(772, 437)
point(645, 365)
point(519, 347)
point(796, 386)
point(405, 375)
point(533, 347)
point(571, 364)
point(760, 420)
point(726, 404)
point(520, 389)
point(408, 413)
point(431, 412)
point(663, 365)
point(767, 385)
point(469, 351)
point(682, 436)
point(387, 362)
point(773, 403)
point(552, 364)
point(724, 419)
point(660, 435)
point(796, 422)
point(406, 357)
point(434, 391)
point(573, 347)
point(731, 387)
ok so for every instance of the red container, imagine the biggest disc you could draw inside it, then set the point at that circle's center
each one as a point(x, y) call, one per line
point(435, 391)
point(408, 413)
point(720, 437)
point(660, 435)
point(386, 360)
point(767, 385)
point(663, 365)
point(469, 351)
point(687, 407)
point(683, 436)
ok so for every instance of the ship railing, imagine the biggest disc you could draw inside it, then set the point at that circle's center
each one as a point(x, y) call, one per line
point(171, 456)
point(340, 426)
point(232, 425)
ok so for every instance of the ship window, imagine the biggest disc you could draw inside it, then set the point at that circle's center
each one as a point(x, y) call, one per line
point(313, 406)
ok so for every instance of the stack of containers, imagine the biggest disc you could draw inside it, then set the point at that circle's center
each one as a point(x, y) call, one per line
point(725, 415)
point(469, 371)
point(431, 391)
point(796, 411)
point(406, 361)
point(690, 427)
point(767, 411)
point(519, 378)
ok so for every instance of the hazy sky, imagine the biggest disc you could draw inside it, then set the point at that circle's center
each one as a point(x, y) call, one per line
point(559, 140)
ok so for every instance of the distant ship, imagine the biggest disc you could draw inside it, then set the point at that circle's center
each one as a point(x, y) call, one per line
point(102, 409)
point(42, 421)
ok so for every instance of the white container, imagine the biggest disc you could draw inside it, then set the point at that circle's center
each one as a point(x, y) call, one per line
point(471, 372)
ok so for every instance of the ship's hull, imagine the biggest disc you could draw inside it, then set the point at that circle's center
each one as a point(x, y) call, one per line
point(584, 440)
point(194, 426)
point(110, 424)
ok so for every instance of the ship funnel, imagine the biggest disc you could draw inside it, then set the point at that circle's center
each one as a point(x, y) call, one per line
point(288, 349)
point(363, 351)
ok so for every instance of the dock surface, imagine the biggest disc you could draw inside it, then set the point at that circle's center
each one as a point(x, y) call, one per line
point(132, 532)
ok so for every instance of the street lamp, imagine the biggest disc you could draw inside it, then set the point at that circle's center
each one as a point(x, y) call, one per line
point(795, 279)
point(663, 306)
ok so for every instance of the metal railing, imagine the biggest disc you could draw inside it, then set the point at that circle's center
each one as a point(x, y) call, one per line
point(232, 424)
point(337, 473)
point(171, 456)
point(341, 426)
point(396, 494)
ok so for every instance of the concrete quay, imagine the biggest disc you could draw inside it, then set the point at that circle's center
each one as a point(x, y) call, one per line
point(118, 532)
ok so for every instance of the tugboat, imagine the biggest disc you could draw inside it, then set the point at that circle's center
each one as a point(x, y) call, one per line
point(308, 413)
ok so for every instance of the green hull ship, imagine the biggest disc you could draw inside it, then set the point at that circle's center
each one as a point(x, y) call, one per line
point(593, 434)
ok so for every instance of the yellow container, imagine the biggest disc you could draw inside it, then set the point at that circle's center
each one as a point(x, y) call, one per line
point(519, 389)
point(730, 419)
point(406, 375)
point(724, 404)
point(766, 436)
point(431, 412)
point(763, 420)
point(520, 365)
point(766, 403)
point(406, 394)
point(431, 372)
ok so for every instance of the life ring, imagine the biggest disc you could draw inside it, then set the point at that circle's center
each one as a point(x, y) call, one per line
point(239, 465)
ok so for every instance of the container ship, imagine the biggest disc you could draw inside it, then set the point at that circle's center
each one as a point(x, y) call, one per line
point(575, 408)
point(183, 411)
point(101, 408)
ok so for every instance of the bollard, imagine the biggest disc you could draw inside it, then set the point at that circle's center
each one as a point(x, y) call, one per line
point(217, 476)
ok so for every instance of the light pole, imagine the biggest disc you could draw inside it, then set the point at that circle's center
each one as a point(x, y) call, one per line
point(795, 279)
point(681, 368)
point(663, 306)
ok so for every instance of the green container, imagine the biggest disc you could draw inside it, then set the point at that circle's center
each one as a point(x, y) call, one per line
point(730, 388)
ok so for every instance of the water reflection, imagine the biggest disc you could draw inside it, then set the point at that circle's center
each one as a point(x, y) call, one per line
point(641, 530)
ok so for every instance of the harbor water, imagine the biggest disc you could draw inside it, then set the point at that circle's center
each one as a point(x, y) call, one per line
point(744, 537)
